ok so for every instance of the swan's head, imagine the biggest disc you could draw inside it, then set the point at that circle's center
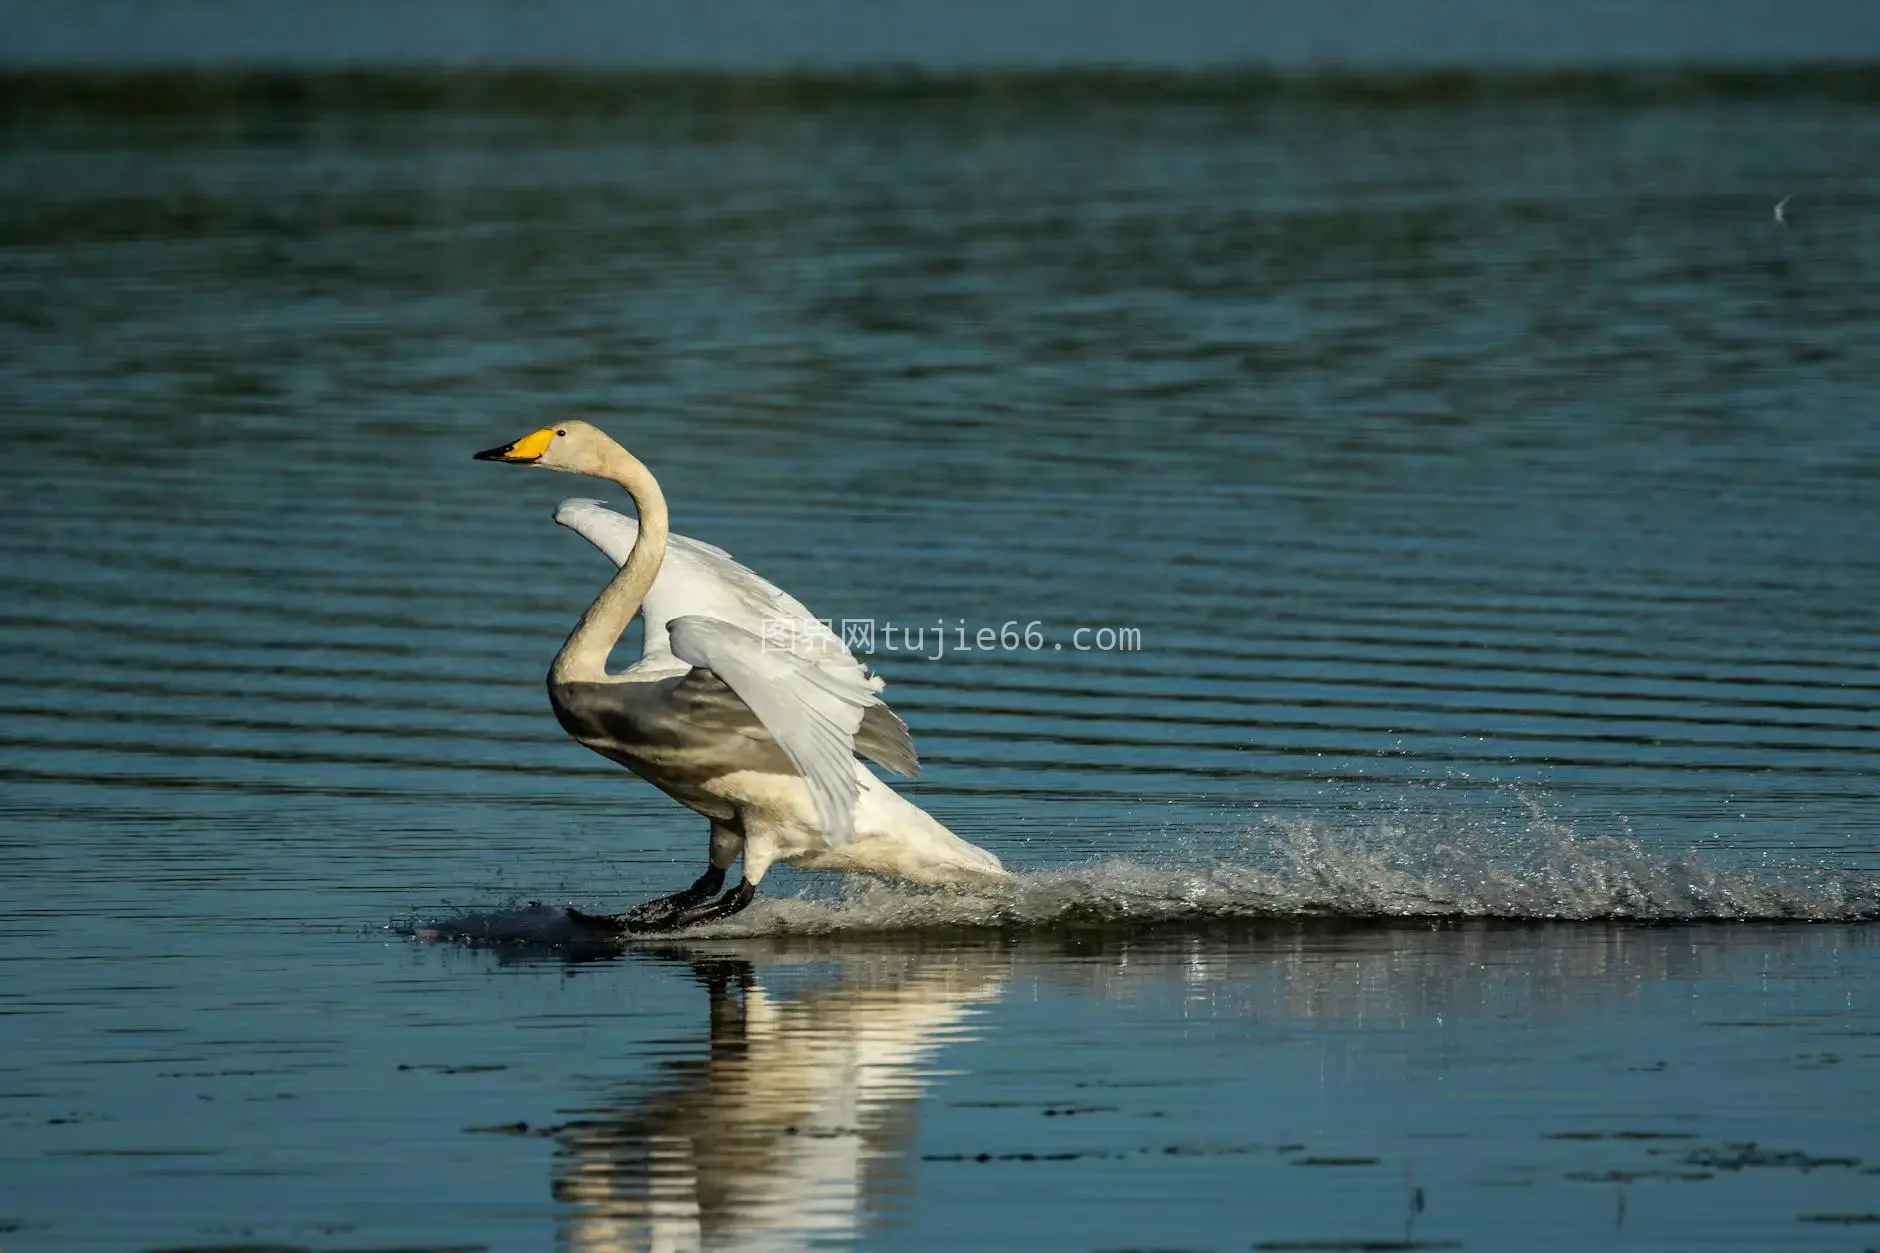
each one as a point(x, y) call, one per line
point(572, 446)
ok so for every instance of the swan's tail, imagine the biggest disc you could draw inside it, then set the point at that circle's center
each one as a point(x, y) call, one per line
point(894, 836)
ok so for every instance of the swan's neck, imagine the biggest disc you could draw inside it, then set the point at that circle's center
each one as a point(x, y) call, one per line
point(583, 659)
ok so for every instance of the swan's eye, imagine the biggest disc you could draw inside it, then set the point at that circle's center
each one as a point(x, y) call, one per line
point(561, 432)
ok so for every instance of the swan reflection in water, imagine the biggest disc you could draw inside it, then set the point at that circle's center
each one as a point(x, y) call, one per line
point(785, 1131)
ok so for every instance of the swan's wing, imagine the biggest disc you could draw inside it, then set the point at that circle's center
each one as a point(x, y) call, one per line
point(812, 712)
point(703, 580)
point(695, 577)
point(700, 578)
point(884, 740)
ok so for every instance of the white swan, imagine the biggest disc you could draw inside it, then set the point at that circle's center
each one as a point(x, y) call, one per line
point(753, 725)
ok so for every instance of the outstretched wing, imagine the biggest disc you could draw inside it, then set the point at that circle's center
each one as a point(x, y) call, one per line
point(812, 711)
point(701, 580)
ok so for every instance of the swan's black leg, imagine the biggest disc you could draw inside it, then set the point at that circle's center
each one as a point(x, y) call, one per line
point(658, 913)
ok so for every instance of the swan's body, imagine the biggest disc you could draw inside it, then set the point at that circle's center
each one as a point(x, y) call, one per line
point(742, 707)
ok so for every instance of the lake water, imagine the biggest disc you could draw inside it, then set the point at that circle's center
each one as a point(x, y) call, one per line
point(1481, 849)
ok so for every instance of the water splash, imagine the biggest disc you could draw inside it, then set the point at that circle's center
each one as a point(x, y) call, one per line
point(1389, 870)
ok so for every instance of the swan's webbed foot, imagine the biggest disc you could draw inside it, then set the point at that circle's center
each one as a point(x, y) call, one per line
point(656, 914)
point(652, 915)
point(612, 924)
point(725, 906)
point(669, 913)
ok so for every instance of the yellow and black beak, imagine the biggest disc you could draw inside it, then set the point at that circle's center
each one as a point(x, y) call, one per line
point(526, 451)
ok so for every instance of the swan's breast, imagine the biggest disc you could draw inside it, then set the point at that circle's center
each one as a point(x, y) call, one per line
point(681, 733)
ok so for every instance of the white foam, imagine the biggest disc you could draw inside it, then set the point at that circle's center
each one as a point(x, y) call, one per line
point(1394, 868)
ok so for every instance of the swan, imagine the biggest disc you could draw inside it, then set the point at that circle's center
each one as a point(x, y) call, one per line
point(742, 707)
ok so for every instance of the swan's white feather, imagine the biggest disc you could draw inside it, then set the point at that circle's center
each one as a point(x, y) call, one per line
point(702, 580)
point(812, 711)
